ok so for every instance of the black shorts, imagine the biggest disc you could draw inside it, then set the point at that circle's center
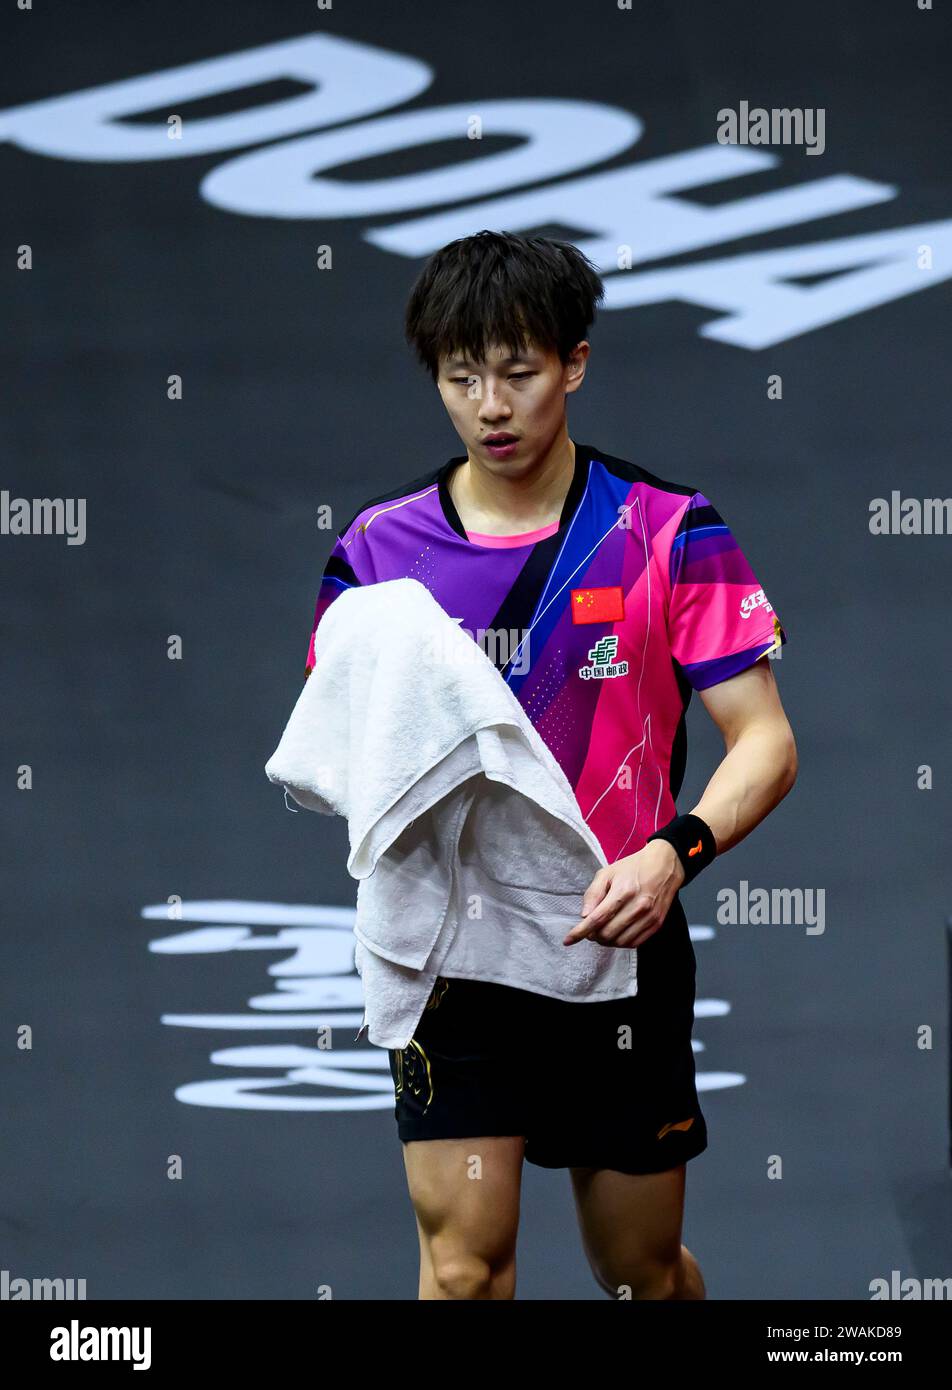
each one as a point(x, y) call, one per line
point(487, 1059)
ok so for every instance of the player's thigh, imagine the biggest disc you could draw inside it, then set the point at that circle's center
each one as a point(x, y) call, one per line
point(466, 1195)
point(630, 1222)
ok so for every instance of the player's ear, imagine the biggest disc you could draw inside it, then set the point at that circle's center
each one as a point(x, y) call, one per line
point(576, 365)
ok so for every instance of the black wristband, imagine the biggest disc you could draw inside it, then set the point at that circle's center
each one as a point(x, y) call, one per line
point(693, 841)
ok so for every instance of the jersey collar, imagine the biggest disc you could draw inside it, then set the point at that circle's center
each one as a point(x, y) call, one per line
point(584, 453)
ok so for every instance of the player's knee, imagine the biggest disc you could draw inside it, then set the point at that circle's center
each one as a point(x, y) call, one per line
point(647, 1279)
point(460, 1275)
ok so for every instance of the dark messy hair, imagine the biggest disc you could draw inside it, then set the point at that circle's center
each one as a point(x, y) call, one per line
point(500, 288)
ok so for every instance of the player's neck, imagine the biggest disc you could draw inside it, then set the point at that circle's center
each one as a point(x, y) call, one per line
point(498, 506)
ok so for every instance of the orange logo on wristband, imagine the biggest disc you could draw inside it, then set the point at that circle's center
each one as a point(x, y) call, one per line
point(695, 850)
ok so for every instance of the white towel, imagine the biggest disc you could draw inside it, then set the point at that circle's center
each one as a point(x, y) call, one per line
point(466, 839)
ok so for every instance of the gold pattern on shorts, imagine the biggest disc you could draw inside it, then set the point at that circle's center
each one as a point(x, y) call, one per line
point(412, 1064)
point(437, 992)
point(413, 1071)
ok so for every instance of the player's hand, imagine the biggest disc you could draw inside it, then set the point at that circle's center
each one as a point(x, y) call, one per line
point(627, 902)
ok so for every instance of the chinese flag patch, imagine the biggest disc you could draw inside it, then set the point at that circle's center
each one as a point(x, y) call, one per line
point(597, 605)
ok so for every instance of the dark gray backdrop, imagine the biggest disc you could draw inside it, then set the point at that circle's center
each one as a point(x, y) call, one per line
point(148, 776)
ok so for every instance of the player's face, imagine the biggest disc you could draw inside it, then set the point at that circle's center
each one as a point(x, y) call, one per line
point(520, 396)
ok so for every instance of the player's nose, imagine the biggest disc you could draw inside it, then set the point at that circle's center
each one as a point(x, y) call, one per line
point(493, 406)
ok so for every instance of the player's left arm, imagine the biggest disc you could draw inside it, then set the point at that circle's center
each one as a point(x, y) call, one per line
point(629, 901)
point(760, 762)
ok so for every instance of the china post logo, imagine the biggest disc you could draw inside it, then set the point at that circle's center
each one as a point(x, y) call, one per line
point(602, 656)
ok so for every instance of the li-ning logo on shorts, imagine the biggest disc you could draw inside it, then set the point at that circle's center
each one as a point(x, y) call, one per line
point(684, 1125)
point(602, 657)
point(757, 599)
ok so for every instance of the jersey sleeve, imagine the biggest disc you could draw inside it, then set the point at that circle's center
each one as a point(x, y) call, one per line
point(720, 621)
point(339, 574)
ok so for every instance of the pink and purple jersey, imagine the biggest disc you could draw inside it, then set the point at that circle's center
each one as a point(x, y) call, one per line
point(602, 625)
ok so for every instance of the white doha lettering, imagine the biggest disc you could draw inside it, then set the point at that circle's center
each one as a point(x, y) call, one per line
point(631, 215)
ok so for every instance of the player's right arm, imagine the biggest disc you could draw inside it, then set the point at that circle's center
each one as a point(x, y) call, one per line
point(339, 575)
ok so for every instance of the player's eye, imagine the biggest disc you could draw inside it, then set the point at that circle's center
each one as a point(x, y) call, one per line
point(513, 376)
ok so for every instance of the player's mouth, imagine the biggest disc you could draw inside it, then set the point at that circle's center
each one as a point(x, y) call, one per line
point(500, 444)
